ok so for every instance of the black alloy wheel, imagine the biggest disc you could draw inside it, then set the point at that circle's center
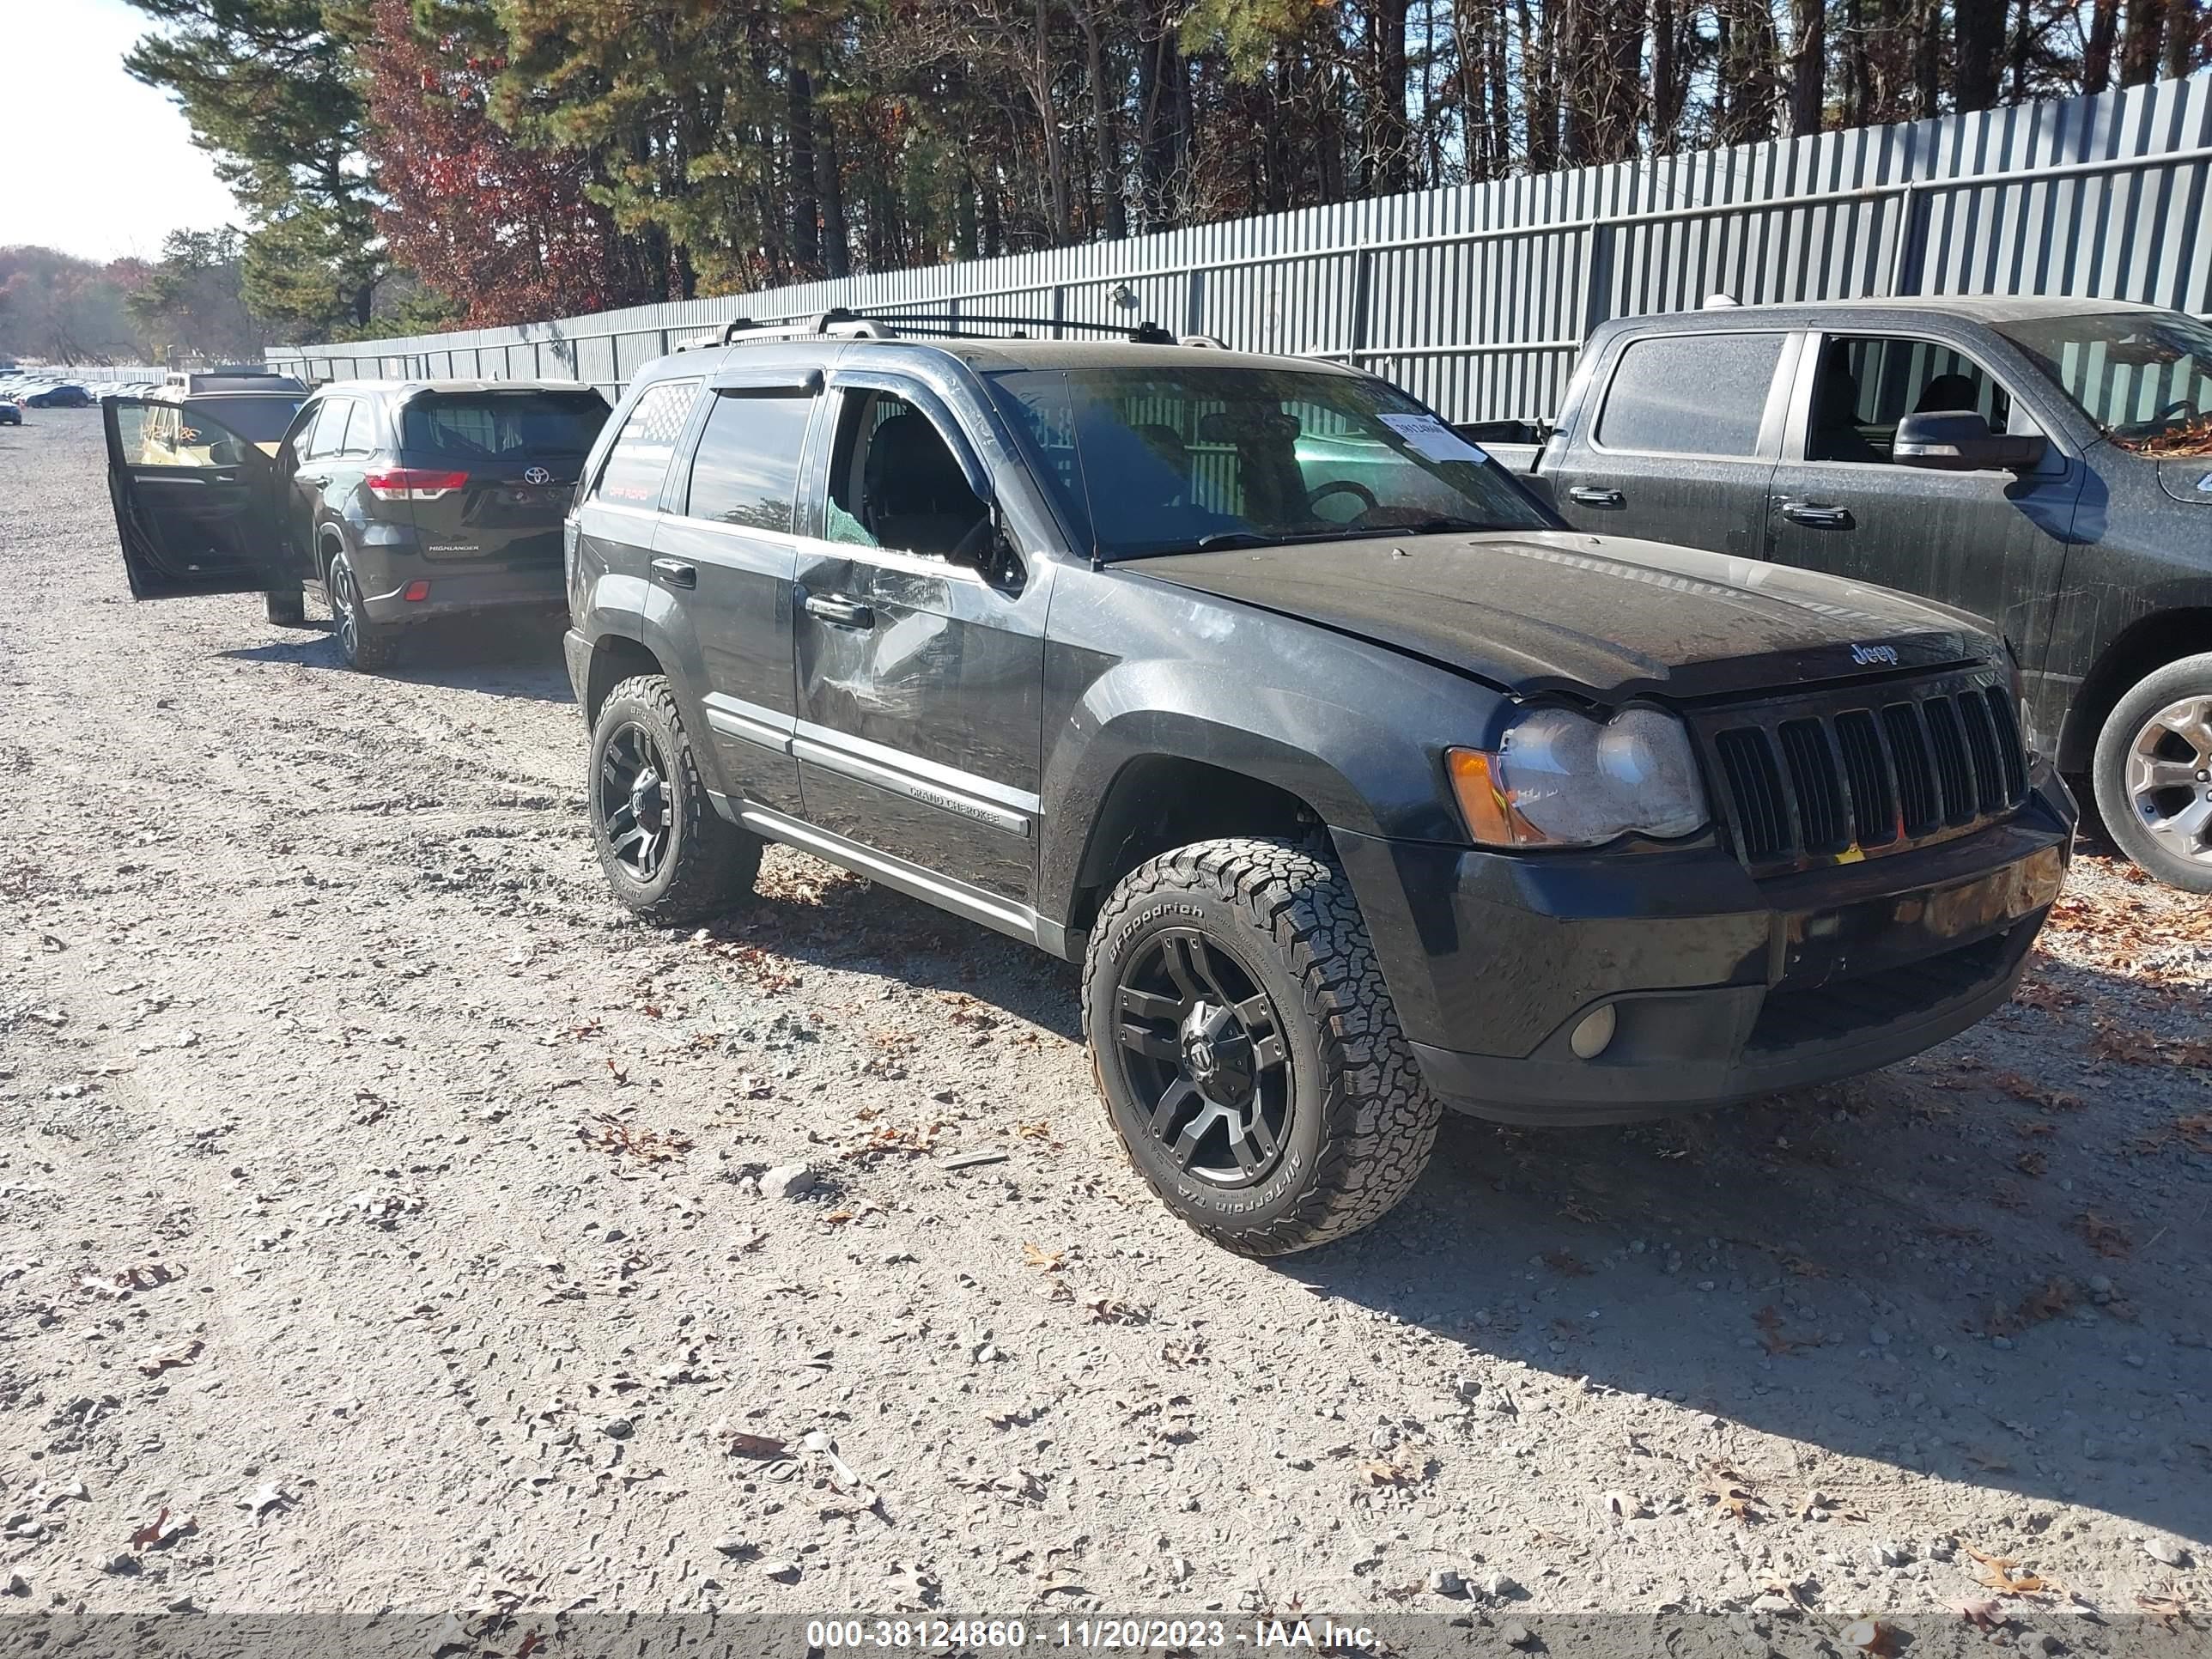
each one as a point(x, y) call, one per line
point(636, 806)
point(1203, 1051)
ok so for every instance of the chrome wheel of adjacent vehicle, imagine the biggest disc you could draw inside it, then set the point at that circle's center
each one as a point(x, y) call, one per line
point(634, 801)
point(2152, 773)
point(2169, 777)
point(1203, 1051)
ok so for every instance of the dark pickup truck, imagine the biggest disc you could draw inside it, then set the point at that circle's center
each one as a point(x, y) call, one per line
point(2045, 464)
point(1358, 783)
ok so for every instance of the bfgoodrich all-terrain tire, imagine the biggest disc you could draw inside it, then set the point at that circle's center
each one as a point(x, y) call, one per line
point(668, 854)
point(1249, 1056)
point(2152, 774)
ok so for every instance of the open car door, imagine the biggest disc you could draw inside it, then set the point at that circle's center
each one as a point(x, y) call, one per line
point(194, 504)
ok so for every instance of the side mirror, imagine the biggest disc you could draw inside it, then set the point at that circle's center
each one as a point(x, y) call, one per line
point(1959, 440)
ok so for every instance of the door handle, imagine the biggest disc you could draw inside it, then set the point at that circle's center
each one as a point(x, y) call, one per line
point(839, 612)
point(318, 482)
point(1819, 515)
point(676, 573)
point(1594, 495)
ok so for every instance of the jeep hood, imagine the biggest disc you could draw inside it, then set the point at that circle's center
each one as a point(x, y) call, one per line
point(1606, 616)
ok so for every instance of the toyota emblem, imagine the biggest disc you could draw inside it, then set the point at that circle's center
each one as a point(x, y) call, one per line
point(537, 475)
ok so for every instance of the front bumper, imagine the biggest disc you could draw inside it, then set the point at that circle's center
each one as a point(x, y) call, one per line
point(1723, 987)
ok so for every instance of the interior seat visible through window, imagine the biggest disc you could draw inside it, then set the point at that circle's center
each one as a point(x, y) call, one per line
point(910, 492)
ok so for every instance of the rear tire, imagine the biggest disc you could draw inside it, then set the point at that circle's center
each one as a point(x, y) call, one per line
point(669, 856)
point(286, 607)
point(366, 644)
point(1249, 1056)
point(2152, 774)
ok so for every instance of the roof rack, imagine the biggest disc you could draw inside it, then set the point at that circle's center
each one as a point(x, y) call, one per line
point(839, 321)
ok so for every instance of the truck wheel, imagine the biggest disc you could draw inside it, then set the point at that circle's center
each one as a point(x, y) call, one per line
point(669, 856)
point(1248, 1051)
point(286, 607)
point(2153, 774)
point(365, 643)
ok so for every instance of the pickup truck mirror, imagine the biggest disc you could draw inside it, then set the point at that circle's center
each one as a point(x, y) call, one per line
point(1959, 440)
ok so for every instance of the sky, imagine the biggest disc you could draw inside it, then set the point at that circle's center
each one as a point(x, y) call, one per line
point(95, 163)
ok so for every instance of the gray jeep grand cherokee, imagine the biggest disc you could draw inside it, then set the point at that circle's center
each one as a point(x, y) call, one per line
point(1358, 784)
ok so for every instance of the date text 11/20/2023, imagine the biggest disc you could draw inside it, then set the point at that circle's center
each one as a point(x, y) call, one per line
point(1128, 1635)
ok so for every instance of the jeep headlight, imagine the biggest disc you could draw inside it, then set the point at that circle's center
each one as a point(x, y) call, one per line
point(1560, 779)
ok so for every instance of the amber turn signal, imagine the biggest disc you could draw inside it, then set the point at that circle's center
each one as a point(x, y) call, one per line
point(1482, 801)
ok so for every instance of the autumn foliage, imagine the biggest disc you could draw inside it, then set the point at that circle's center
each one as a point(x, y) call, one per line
point(506, 229)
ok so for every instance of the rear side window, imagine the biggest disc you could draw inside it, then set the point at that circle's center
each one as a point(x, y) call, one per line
point(327, 436)
point(639, 460)
point(263, 420)
point(1691, 394)
point(474, 426)
point(746, 470)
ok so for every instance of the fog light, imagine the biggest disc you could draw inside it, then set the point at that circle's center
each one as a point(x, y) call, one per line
point(416, 592)
point(1592, 1033)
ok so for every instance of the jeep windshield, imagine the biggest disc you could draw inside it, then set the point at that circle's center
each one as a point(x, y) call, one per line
point(2144, 377)
point(1172, 460)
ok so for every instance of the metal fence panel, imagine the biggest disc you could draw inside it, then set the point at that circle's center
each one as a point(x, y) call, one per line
point(1477, 297)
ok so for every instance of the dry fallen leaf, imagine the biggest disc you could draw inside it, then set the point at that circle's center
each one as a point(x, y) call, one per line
point(1997, 1571)
point(754, 1445)
point(607, 1133)
point(1567, 1264)
point(1867, 1635)
point(154, 1364)
point(1730, 1494)
point(2164, 1604)
point(1770, 1337)
point(1046, 1260)
point(2106, 1238)
point(1985, 1611)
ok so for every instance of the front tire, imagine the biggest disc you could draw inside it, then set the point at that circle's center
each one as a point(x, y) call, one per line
point(1249, 1056)
point(365, 644)
point(2152, 774)
point(668, 854)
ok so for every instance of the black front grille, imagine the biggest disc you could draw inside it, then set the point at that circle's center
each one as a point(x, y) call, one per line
point(1874, 768)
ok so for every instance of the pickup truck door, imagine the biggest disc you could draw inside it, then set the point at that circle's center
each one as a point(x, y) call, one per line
point(194, 504)
point(920, 652)
point(1990, 543)
point(1679, 440)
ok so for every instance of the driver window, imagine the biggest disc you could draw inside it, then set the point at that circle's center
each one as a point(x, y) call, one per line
point(895, 483)
point(1866, 385)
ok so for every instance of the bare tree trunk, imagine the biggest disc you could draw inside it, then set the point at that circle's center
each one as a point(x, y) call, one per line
point(1928, 59)
point(1539, 95)
point(2097, 50)
point(2184, 25)
point(1666, 79)
point(805, 204)
point(1808, 65)
point(829, 184)
point(1387, 136)
point(2140, 48)
point(1977, 48)
point(1105, 122)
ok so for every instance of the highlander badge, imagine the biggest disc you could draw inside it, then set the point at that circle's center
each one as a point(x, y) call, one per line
point(1874, 654)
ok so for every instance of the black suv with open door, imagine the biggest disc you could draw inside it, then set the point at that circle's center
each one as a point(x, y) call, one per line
point(1357, 782)
point(403, 500)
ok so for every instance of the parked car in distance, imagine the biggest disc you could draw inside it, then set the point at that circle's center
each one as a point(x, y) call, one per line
point(1355, 779)
point(67, 395)
point(403, 500)
point(11, 413)
point(2045, 463)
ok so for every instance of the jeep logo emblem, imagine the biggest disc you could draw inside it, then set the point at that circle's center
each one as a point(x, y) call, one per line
point(1867, 654)
point(537, 475)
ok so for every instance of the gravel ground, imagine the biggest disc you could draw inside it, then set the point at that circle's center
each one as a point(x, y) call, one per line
point(383, 1225)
